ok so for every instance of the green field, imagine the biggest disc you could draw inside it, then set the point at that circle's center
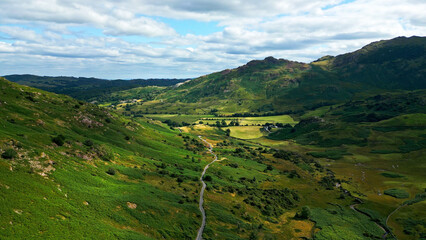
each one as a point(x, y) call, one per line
point(180, 118)
point(246, 132)
point(250, 121)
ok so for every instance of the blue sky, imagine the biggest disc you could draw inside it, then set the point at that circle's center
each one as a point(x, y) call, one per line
point(147, 39)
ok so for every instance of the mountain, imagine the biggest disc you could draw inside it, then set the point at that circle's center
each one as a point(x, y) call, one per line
point(277, 85)
point(347, 161)
point(399, 63)
point(88, 89)
point(361, 115)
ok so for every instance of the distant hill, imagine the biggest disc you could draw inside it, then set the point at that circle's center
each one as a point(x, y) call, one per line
point(399, 63)
point(87, 88)
point(280, 86)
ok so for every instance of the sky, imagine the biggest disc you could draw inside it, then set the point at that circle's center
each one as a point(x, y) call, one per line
point(129, 39)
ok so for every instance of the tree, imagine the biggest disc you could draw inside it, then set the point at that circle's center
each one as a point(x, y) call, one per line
point(59, 140)
point(228, 132)
point(269, 167)
point(253, 236)
point(9, 154)
point(111, 171)
point(88, 143)
point(305, 213)
point(224, 123)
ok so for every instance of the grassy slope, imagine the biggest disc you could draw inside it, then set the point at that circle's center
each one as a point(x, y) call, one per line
point(277, 85)
point(56, 192)
point(44, 204)
point(361, 141)
point(88, 89)
point(249, 88)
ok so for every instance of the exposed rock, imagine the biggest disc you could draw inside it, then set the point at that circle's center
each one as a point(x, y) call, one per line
point(132, 205)
point(18, 211)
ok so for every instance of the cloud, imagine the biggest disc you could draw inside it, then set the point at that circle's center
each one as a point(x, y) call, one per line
point(113, 21)
point(90, 38)
point(19, 33)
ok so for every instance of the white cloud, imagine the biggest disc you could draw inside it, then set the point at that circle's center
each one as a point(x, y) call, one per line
point(19, 33)
point(88, 38)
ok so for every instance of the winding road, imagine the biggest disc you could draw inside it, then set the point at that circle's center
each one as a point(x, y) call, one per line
point(387, 229)
point(203, 213)
point(386, 232)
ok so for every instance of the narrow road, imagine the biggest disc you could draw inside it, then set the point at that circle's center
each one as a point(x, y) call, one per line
point(203, 213)
point(387, 219)
point(386, 232)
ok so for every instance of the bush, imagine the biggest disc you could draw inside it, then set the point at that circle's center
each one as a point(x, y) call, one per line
point(111, 171)
point(305, 213)
point(9, 154)
point(391, 175)
point(396, 193)
point(419, 197)
point(59, 140)
point(208, 178)
point(88, 143)
point(104, 153)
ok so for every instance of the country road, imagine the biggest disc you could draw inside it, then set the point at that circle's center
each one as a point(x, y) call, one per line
point(380, 226)
point(203, 213)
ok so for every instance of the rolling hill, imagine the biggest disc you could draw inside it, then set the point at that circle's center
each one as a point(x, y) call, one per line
point(281, 86)
point(71, 169)
point(346, 163)
point(88, 89)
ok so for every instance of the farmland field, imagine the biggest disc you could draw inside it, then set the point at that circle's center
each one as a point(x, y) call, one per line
point(284, 119)
point(246, 132)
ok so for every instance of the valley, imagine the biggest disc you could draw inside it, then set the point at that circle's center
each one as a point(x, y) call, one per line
point(274, 149)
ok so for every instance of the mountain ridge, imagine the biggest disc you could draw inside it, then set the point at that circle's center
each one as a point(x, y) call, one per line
point(88, 89)
point(279, 85)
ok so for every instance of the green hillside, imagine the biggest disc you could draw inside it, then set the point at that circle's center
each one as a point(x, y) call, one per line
point(399, 63)
point(88, 89)
point(73, 170)
point(70, 169)
point(276, 86)
point(333, 149)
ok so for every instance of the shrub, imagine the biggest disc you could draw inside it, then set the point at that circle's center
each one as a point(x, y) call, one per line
point(59, 140)
point(111, 171)
point(328, 182)
point(104, 153)
point(9, 154)
point(396, 193)
point(305, 213)
point(419, 197)
point(208, 178)
point(391, 175)
point(88, 143)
